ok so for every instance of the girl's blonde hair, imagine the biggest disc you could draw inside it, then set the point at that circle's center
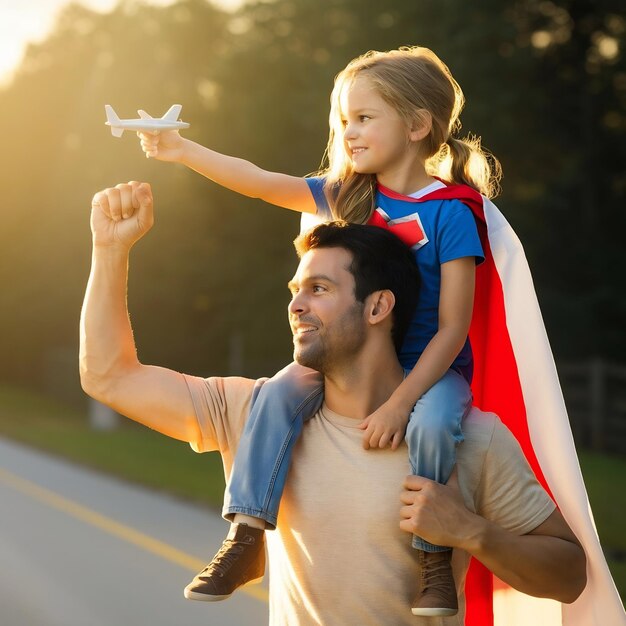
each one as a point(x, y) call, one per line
point(416, 83)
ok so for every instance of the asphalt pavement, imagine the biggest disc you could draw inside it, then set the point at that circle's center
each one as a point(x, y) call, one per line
point(78, 548)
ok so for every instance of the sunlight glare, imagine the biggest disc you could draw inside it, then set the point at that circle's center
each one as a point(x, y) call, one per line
point(30, 21)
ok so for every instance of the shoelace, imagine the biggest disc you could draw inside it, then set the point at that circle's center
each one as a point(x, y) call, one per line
point(226, 556)
point(434, 574)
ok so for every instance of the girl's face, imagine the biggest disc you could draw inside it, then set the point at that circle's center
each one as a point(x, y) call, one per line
point(376, 138)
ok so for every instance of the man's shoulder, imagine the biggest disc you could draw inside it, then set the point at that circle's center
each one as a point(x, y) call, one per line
point(484, 431)
point(496, 477)
point(480, 430)
point(221, 405)
point(480, 425)
point(223, 388)
point(487, 430)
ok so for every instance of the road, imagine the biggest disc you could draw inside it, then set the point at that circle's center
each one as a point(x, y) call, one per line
point(81, 549)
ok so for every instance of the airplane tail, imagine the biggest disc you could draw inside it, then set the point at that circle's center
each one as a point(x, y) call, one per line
point(113, 120)
point(173, 113)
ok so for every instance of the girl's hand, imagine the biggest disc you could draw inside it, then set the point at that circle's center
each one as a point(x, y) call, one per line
point(164, 145)
point(384, 426)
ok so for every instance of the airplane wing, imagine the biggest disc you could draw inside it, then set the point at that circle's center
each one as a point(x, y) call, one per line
point(146, 123)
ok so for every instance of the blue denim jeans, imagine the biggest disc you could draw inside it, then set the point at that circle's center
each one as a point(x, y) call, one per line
point(283, 403)
point(279, 409)
point(434, 432)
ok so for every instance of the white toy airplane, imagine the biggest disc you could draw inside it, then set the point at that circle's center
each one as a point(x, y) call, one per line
point(145, 123)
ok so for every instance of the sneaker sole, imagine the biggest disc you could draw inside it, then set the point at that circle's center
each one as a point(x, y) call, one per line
point(432, 612)
point(207, 597)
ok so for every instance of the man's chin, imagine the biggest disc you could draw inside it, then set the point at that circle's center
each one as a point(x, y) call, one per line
point(301, 357)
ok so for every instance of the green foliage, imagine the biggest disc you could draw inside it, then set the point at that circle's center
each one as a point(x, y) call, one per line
point(545, 88)
point(603, 478)
point(131, 452)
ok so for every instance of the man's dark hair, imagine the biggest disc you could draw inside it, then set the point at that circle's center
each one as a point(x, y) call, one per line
point(379, 261)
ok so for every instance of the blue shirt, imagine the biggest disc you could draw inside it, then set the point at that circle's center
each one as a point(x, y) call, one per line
point(441, 231)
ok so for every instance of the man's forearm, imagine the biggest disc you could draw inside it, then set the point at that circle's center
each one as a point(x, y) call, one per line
point(536, 564)
point(548, 562)
point(107, 346)
point(109, 368)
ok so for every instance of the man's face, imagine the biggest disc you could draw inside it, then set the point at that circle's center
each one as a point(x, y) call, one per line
point(325, 317)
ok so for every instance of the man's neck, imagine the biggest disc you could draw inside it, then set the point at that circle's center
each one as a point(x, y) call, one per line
point(359, 388)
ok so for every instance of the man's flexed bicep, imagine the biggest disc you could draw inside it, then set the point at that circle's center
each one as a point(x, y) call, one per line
point(109, 368)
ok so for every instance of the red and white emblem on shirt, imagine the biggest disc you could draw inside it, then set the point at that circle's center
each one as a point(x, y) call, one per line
point(408, 228)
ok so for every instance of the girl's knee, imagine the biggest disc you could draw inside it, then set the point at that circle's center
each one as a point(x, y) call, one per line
point(432, 427)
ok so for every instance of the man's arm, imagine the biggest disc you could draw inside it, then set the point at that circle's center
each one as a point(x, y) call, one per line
point(547, 562)
point(109, 368)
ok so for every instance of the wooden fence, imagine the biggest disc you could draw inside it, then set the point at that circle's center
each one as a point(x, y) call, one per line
point(595, 395)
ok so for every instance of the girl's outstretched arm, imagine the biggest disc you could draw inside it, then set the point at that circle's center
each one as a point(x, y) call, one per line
point(289, 192)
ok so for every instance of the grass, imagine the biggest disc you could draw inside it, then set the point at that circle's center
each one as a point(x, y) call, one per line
point(145, 457)
point(604, 477)
point(131, 451)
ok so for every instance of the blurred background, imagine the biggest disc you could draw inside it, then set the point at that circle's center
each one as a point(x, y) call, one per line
point(545, 83)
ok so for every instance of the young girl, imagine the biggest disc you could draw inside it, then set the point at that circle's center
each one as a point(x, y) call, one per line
point(391, 147)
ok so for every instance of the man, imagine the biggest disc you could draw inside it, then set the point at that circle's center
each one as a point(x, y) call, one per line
point(337, 556)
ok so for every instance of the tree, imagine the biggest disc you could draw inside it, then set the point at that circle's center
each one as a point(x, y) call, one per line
point(545, 89)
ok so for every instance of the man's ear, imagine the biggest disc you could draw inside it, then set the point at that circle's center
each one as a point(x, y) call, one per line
point(420, 125)
point(379, 306)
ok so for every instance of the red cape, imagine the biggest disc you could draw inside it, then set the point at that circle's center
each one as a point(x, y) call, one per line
point(515, 377)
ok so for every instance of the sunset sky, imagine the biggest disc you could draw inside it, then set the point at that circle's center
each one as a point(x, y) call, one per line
point(31, 20)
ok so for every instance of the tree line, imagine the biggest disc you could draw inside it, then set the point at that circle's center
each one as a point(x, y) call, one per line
point(545, 84)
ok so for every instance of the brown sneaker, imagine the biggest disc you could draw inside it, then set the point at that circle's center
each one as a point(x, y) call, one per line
point(240, 560)
point(436, 596)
